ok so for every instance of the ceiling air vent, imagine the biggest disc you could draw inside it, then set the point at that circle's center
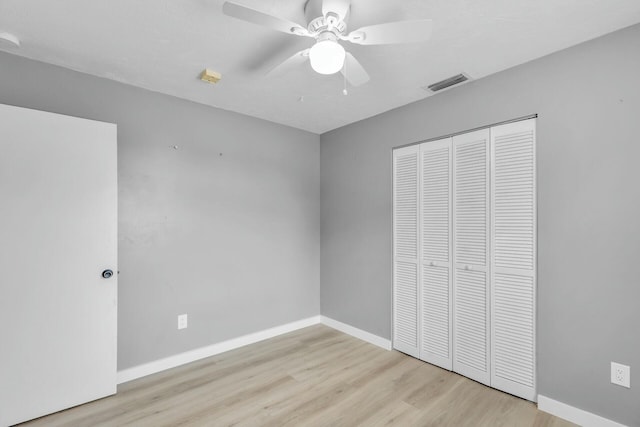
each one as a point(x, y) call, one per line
point(451, 81)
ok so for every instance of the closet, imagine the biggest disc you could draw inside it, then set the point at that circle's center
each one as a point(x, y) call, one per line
point(464, 254)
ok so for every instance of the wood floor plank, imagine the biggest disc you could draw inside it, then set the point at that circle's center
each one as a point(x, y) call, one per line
point(315, 376)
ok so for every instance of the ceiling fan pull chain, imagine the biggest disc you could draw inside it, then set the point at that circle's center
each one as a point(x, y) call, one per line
point(345, 92)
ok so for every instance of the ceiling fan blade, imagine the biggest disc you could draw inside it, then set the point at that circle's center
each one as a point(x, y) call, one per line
point(392, 32)
point(290, 63)
point(260, 18)
point(339, 7)
point(354, 71)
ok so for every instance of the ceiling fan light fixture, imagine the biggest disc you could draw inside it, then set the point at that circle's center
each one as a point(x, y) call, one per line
point(327, 56)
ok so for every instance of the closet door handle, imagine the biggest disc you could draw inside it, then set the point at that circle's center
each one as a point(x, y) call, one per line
point(468, 267)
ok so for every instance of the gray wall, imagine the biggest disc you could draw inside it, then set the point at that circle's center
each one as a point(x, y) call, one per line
point(588, 101)
point(225, 228)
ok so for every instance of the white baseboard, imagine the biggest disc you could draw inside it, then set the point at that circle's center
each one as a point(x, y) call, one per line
point(211, 350)
point(160, 365)
point(573, 414)
point(358, 333)
point(546, 404)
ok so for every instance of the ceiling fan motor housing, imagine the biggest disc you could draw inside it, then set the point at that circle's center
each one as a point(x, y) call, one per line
point(317, 20)
point(327, 24)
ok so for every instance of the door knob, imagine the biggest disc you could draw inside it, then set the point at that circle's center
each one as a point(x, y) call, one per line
point(107, 273)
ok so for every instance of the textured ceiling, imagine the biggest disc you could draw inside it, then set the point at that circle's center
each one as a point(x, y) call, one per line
point(163, 45)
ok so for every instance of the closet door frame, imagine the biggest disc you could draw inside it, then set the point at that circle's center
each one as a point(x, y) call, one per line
point(490, 377)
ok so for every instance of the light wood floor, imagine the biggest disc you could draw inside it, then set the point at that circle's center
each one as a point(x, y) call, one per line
point(312, 377)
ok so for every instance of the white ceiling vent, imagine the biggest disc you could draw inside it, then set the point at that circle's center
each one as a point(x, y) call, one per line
point(448, 82)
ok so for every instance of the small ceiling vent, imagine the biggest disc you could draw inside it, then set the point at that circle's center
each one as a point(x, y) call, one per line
point(451, 81)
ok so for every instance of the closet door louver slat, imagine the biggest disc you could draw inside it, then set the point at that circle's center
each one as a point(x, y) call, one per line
point(405, 250)
point(513, 258)
point(435, 158)
point(470, 240)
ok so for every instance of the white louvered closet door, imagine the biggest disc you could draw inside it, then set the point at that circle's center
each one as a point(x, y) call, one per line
point(513, 276)
point(435, 280)
point(471, 255)
point(405, 250)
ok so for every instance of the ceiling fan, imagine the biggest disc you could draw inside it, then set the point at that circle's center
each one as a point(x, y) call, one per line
point(328, 21)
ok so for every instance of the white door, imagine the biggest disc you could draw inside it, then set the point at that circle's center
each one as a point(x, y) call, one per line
point(405, 250)
point(513, 273)
point(471, 255)
point(435, 280)
point(58, 233)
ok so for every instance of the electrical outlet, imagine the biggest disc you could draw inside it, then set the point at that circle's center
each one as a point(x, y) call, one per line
point(621, 374)
point(182, 321)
